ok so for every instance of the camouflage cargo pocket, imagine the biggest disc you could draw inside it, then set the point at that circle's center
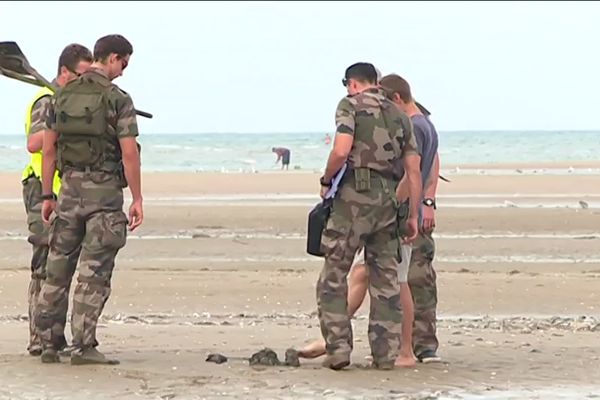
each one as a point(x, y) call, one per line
point(28, 193)
point(32, 192)
point(114, 233)
point(63, 239)
point(425, 246)
point(35, 223)
point(336, 235)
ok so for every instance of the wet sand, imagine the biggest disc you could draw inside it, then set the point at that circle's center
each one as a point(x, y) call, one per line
point(219, 266)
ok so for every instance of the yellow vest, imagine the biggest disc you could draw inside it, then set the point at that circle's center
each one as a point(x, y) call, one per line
point(35, 164)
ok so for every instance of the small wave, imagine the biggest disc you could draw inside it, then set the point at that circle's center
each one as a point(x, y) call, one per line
point(12, 147)
point(172, 147)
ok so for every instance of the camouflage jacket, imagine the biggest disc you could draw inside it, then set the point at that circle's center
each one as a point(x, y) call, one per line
point(375, 121)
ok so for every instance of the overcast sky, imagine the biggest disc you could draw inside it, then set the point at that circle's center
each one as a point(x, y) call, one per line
point(276, 67)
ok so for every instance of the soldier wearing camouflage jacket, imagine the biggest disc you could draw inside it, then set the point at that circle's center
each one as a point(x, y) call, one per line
point(74, 60)
point(374, 138)
point(91, 135)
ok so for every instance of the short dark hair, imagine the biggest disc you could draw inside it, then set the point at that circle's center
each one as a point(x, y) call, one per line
point(107, 45)
point(362, 72)
point(396, 84)
point(72, 55)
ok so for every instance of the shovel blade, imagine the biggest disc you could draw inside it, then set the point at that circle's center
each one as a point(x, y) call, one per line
point(13, 59)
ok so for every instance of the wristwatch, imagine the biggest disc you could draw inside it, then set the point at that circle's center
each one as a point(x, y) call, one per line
point(429, 202)
point(49, 197)
point(323, 183)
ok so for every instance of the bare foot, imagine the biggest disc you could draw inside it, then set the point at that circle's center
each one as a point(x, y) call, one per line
point(406, 361)
point(312, 350)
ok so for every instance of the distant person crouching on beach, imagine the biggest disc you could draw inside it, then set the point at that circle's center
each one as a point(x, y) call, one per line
point(283, 154)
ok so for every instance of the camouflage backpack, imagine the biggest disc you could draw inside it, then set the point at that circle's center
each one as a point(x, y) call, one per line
point(81, 110)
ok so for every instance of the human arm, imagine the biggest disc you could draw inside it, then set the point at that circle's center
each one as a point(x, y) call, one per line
point(48, 161)
point(411, 186)
point(48, 168)
point(35, 142)
point(412, 174)
point(434, 177)
point(430, 193)
point(127, 132)
point(39, 114)
point(342, 143)
point(132, 167)
point(338, 155)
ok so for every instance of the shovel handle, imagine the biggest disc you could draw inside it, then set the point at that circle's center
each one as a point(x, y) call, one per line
point(12, 75)
point(143, 114)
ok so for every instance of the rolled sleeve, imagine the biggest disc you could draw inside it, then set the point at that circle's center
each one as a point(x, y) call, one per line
point(126, 119)
point(39, 114)
point(345, 117)
point(50, 116)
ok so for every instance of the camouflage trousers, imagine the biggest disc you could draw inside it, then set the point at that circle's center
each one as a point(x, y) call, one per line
point(38, 237)
point(422, 282)
point(358, 218)
point(88, 214)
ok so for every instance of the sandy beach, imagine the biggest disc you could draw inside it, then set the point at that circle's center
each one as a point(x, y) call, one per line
point(219, 266)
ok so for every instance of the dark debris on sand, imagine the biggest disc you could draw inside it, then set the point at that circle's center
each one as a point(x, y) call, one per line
point(264, 357)
point(216, 358)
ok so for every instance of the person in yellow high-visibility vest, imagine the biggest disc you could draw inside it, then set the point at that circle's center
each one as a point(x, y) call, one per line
point(74, 60)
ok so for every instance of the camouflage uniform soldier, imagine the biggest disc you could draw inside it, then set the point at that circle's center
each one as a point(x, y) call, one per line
point(74, 60)
point(92, 136)
point(373, 137)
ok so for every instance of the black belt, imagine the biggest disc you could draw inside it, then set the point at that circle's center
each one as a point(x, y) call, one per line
point(107, 166)
point(385, 175)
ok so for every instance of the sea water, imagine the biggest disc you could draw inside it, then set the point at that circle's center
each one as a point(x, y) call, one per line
point(236, 152)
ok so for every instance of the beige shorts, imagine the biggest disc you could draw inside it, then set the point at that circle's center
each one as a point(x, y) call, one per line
point(406, 250)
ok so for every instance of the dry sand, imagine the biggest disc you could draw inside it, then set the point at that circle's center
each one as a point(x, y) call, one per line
point(219, 266)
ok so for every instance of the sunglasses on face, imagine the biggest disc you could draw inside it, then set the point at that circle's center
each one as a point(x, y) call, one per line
point(124, 63)
point(345, 82)
point(78, 74)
